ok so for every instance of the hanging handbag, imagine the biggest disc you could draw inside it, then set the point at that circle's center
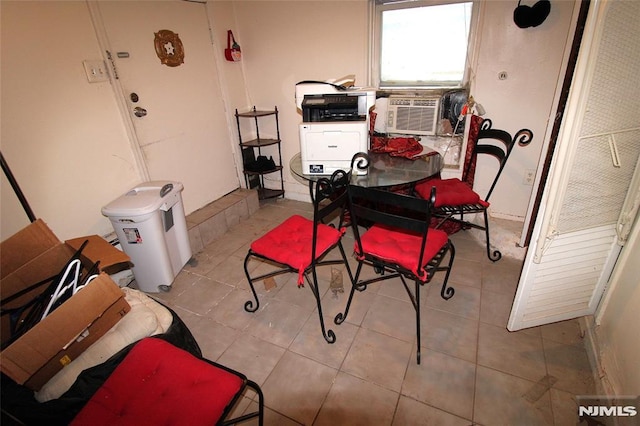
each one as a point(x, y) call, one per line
point(232, 52)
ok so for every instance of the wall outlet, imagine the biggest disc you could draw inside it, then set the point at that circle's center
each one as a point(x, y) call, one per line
point(529, 177)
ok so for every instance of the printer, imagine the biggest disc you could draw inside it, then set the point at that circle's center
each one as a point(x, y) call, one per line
point(335, 123)
point(331, 107)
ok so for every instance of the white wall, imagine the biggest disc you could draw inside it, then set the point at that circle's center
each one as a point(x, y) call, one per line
point(284, 42)
point(62, 137)
point(222, 17)
point(618, 340)
point(53, 120)
point(532, 59)
point(65, 138)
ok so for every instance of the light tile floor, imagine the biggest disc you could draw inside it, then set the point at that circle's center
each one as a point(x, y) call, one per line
point(473, 371)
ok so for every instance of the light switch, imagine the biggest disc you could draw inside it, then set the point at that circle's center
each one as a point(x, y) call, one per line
point(96, 71)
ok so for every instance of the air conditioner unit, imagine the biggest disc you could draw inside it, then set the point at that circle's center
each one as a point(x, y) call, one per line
point(412, 115)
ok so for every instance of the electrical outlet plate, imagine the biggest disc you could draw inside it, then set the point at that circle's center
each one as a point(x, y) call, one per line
point(96, 71)
point(529, 177)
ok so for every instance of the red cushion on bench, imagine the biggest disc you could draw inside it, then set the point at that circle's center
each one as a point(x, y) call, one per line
point(160, 384)
point(290, 243)
point(402, 248)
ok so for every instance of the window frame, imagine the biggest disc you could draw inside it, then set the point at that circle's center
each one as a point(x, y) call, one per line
point(375, 36)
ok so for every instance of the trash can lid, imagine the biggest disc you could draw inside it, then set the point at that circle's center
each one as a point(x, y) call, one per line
point(143, 199)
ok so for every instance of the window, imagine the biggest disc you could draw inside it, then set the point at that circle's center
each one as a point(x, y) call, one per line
point(422, 44)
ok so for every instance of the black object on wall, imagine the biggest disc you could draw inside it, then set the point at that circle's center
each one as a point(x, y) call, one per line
point(16, 189)
point(531, 16)
point(451, 107)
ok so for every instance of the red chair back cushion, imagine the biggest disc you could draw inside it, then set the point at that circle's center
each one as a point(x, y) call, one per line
point(160, 384)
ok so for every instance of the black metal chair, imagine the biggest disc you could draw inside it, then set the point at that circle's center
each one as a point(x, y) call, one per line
point(456, 197)
point(398, 243)
point(159, 383)
point(299, 245)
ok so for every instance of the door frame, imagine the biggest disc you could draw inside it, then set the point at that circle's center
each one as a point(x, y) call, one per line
point(581, 10)
point(118, 91)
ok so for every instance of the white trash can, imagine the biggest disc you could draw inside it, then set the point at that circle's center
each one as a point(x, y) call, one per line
point(150, 223)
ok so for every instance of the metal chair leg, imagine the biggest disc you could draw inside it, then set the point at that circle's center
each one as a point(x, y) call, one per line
point(259, 414)
point(417, 306)
point(328, 335)
point(253, 385)
point(341, 317)
point(248, 306)
point(447, 292)
point(496, 255)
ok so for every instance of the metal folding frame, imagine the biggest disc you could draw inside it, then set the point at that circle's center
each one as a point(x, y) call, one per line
point(399, 214)
point(329, 197)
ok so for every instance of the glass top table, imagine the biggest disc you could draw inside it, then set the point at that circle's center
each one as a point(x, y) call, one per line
point(384, 170)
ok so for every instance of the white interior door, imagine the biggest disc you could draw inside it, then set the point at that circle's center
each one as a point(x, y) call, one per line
point(593, 191)
point(184, 135)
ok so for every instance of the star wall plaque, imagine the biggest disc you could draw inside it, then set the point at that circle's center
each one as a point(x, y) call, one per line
point(169, 48)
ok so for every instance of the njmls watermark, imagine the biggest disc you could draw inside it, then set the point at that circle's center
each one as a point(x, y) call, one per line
point(595, 410)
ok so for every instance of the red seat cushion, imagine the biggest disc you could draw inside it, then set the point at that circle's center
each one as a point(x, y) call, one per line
point(402, 247)
point(290, 243)
point(160, 384)
point(449, 192)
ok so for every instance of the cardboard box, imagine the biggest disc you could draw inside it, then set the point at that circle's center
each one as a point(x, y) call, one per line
point(34, 255)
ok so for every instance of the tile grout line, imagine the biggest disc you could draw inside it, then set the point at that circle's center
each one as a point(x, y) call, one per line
point(475, 376)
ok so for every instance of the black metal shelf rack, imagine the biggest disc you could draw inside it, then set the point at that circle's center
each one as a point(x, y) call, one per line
point(256, 178)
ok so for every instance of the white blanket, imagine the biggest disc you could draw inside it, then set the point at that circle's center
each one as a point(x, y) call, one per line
point(146, 318)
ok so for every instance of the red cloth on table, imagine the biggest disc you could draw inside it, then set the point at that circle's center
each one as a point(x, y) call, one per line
point(396, 147)
point(406, 147)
